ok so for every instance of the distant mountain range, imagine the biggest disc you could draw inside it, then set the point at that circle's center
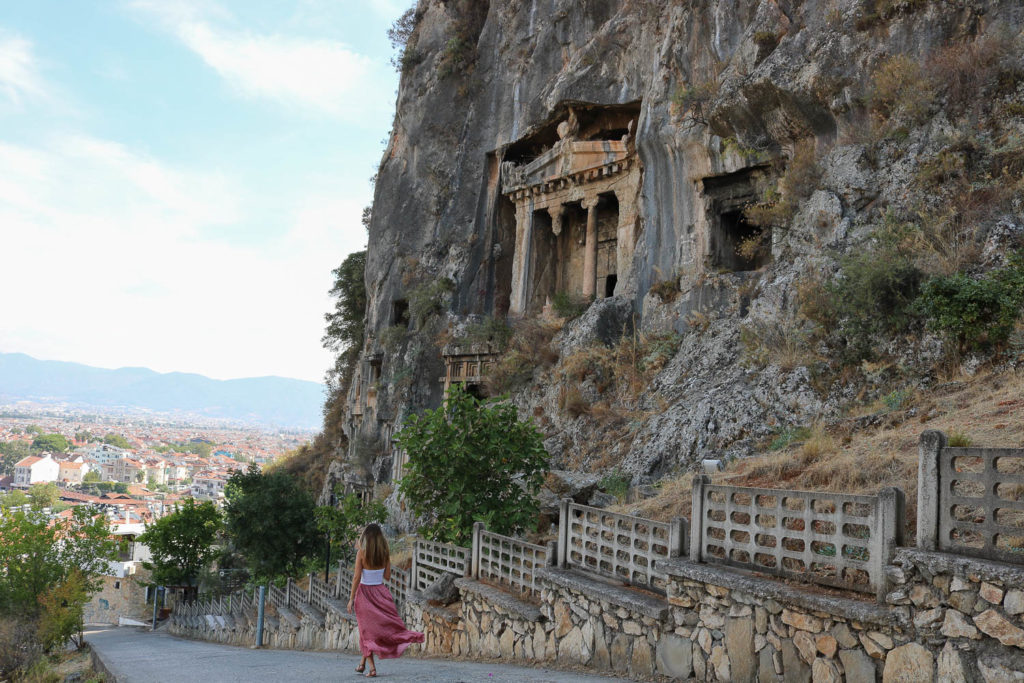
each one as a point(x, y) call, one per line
point(267, 401)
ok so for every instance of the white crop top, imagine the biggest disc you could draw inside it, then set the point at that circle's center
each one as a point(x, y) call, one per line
point(372, 577)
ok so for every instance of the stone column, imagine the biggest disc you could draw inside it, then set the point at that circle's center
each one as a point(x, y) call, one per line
point(590, 249)
point(521, 258)
point(556, 218)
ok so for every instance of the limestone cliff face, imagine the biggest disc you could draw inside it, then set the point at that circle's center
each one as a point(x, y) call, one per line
point(712, 100)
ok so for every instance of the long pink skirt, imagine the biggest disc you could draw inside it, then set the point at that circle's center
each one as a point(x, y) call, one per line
point(381, 631)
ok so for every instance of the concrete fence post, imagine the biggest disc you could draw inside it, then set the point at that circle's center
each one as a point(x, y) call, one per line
point(677, 546)
point(891, 518)
point(929, 451)
point(414, 580)
point(697, 516)
point(474, 570)
point(309, 589)
point(288, 592)
point(563, 532)
point(552, 553)
point(337, 582)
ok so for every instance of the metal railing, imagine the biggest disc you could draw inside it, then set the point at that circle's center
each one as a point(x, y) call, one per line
point(833, 539)
point(621, 547)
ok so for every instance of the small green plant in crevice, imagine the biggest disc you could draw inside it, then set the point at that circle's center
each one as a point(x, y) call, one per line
point(958, 439)
point(779, 202)
point(895, 399)
point(569, 306)
point(666, 290)
point(428, 300)
point(392, 337)
point(695, 99)
point(489, 330)
point(615, 483)
point(788, 436)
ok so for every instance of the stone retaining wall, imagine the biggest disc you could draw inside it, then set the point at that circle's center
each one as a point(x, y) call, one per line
point(946, 617)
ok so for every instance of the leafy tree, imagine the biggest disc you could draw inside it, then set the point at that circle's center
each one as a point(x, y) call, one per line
point(116, 440)
point(44, 495)
point(182, 543)
point(269, 518)
point(91, 477)
point(10, 453)
point(15, 498)
point(55, 443)
point(63, 607)
point(38, 553)
point(34, 429)
point(343, 523)
point(346, 323)
point(471, 460)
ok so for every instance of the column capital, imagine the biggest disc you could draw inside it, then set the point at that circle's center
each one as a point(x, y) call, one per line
point(589, 202)
point(556, 213)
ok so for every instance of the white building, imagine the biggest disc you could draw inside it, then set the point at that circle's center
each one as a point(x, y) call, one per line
point(35, 469)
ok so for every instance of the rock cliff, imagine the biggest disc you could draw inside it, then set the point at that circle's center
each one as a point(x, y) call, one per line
point(692, 174)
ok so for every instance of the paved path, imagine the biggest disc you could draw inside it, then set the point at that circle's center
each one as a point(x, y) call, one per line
point(136, 655)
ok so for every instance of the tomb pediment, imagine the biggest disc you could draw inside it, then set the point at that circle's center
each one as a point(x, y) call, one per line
point(567, 159)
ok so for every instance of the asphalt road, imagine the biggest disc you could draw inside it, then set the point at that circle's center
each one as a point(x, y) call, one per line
point(136, 655)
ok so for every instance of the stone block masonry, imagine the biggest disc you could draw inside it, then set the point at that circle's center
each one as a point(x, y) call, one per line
point(934, 615)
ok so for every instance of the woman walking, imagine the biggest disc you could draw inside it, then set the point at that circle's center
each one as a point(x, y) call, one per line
point(381, 630)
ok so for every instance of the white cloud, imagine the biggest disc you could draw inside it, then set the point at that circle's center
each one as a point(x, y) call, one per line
point(313, 73)
point(107, 257)
point(19, 75)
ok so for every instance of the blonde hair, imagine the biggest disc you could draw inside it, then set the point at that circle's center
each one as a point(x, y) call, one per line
point(375, 547)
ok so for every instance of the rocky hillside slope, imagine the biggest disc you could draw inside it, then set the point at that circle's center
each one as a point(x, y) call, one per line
point(766, 210)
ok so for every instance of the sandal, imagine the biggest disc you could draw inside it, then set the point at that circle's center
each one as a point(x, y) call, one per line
point(372, 673)
point(361, 668)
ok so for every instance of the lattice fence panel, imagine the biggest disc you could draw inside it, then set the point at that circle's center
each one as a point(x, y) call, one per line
point(981, 502)
point(618, 546)
point(510, 562)
point(319, 592)
point(398, 584)
point(276, 597)
point(828, 538)
point(431, 560)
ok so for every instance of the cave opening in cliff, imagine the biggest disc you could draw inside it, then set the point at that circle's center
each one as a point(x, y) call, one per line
point(734, 243)
point(607, 244)
point(400, 312)
point(742, 246)
point(544, 266)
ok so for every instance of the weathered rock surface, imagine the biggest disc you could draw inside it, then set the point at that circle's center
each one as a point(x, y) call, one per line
point(487, 84)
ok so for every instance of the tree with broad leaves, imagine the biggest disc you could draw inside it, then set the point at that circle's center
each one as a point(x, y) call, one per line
point(472, 460)
point(270, 520)
point(182, 544)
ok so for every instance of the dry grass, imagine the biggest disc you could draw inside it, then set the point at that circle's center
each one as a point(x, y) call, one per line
point(987, 410)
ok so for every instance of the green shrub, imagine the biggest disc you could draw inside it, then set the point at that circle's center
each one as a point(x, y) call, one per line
point(874, 298)
point(779, 203)
point(787, 436)
point(471, 461)
point(568, 305)
point(392, 337)
point(975, 312)
point(666, 290)
point(895, 399)
point(615, 483)
point(490, 330)
point(958, 439)
point(428, 299)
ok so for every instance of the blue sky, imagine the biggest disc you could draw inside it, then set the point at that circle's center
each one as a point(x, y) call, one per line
point(179, 177)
